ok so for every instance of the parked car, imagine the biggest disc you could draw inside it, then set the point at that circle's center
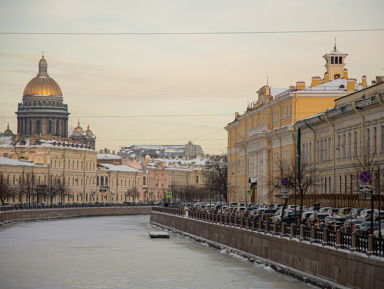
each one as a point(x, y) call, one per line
point(354, 213)
point(343, 212)
point(366, 213)
point(292, 217)
point(365, 228)
point(333, 223)
point(351, 225)
point(325, 210)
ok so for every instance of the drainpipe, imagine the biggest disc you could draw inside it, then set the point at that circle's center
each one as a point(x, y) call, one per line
point(362, 131)
point(313, 152)
point(280, 116)
point(245, 172)
point(281, 155)
point(334, 151)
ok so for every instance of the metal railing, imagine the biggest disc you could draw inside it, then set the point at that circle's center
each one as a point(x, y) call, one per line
point(369, 245)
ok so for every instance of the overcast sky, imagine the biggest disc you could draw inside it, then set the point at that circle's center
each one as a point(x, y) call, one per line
point(169, 89)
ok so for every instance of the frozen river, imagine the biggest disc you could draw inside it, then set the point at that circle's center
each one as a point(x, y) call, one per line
point(116, 252)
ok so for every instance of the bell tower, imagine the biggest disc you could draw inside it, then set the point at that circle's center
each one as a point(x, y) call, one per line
point(335, 62)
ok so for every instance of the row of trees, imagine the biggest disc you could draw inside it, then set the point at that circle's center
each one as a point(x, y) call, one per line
point(303, 178)
point(28, 188)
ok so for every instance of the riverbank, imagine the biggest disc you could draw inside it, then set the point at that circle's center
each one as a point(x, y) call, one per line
point(59, 213)
point(319, 265)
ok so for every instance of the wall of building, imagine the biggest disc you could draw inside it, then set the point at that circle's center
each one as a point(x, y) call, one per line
point(344, 268)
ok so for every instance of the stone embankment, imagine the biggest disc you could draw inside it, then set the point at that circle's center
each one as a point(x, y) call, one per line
point(318, 264)
point(43, 214)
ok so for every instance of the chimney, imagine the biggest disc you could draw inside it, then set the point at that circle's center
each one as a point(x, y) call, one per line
point(326, 77)
point(351, 84)
point(364, 81)
point(300, 85)
point(379, 79)
point(237, 115)
point(113, 152)
point(316, 80)
point(345, 73)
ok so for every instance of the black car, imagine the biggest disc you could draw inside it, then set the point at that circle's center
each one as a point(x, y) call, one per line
point(292, 218)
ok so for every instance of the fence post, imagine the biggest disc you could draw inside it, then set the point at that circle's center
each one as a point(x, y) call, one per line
point(313, 232)
point(242, 222)
point(370, 245)
point(353, 241)
point(292, 230)
point(259, 225)
point(302, 232)
point(274, 228)
point(338, 239)
point(282, 229)
point(325, 237)
point(253, 224)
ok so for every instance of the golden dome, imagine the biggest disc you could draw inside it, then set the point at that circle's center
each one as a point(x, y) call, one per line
point(88, 131)
point(42, 84)
point(78, 128)
point(8, 131)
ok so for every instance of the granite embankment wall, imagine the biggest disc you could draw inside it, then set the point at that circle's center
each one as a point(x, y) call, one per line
point(25, 215)
point(349, 269)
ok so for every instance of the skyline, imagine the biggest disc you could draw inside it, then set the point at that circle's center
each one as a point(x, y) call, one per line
point(169, 89)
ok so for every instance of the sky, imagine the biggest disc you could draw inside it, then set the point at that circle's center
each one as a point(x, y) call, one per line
point(164, 89)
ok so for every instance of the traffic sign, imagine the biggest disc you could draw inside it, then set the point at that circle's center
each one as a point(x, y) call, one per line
point(285, 190)
point(154, 196)
point(169, 194)
point(285, 182)
point(365, 188)
point(284, 196)
point(365, 177)
point(249, 192)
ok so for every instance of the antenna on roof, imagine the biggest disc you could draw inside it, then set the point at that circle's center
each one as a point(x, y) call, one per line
point(335, 45)
point(267, 80)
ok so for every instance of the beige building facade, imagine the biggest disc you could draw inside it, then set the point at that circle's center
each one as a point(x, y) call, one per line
point(342, 142)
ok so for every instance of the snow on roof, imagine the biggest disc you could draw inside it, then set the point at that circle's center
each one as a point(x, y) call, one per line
point(103, 156)
point(13, 162)
point(7, 142)
point(172, 168)
point(337, 85)
point(181, 162)
point(120, 168)
point(275, 91)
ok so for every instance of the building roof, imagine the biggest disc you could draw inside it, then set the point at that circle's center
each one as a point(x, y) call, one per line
point(104, 156)
point(120, 168)
point(13, 162)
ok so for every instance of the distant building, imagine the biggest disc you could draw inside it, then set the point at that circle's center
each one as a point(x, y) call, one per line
point(83, 137)
point(156, 151)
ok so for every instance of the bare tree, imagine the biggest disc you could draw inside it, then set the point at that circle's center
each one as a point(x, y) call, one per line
point(301, 180)
point(62, 189)
point(27, 186)
point(5, 189)
point(133, 193)
point(215, 174)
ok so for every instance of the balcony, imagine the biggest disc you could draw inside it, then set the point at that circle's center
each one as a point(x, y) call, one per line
point(259, 129)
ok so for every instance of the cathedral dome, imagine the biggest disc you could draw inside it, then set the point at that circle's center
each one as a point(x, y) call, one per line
point(78, 128)
point(42, 84)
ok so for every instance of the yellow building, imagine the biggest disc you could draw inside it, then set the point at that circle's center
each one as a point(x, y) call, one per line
point(263, 135)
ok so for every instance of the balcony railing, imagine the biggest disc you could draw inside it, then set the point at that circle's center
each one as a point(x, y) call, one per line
point(259, 129)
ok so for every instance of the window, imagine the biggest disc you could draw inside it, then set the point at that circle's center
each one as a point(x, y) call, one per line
point(197, 179)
